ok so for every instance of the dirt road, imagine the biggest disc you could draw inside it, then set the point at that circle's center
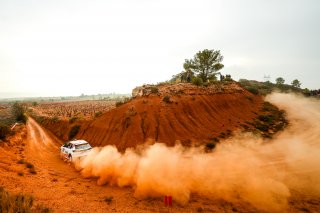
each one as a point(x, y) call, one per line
point(59, 186)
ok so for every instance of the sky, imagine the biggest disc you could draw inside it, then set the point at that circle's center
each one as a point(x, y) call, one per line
point(70, 47)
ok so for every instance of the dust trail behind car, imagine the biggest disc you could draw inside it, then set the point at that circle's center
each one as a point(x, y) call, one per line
point(243, 168)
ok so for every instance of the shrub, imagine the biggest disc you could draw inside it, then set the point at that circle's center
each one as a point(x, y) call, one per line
point(154, 90)
point(29, 165)
point(253, 90)
point(262, 127)
point(119, 103)
point(265, 118)
point(73, 119)
point(15, 203)
point(32, 171)
point(18, 112)
point(197, 81)
point(125, 100)
point(210, 145)
point(108, 199)
point(55, 119)
point(166, 99)
point(74, 131)
point(97, 114)
point(4, 131)
point(267, 106)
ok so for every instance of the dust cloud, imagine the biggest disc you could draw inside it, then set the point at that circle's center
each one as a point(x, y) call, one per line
point(243, 168)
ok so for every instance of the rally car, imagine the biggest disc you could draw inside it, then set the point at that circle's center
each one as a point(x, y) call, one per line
point(75, 149)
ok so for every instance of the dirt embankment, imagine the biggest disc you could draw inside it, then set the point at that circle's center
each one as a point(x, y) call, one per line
point(172, 113)
point(180, 113)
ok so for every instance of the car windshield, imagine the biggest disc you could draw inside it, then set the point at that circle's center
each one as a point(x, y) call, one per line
point(83, 146)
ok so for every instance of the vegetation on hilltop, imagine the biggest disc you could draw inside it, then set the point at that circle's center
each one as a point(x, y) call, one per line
point(264, 88)
point(205, 64)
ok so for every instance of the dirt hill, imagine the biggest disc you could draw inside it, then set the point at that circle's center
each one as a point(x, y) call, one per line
point(171, 113)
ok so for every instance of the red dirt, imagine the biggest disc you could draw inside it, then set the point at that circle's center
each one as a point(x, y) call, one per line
point(194, 115)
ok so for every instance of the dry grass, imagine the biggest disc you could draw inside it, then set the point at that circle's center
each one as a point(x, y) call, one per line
point(15, 203)
point(12, 203)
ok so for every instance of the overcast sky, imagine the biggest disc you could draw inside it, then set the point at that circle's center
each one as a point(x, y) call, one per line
point(69, 47)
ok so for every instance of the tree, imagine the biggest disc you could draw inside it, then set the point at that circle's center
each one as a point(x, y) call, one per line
point(296, 83)
point(280, 81)
point(205, 64)
point(18, 112)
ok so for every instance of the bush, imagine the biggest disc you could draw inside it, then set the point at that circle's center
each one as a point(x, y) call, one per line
point(4, 131)
point(210, 145)
point(154, 90)
point(32, 171)
point(15, 203)
point(29, 165)
point(197, 81)
point(74, 131)
point(18, 112)
point(108, 199)
point(73, 119)
point(166, 99)
point(97, 114)
point(262, 127)
point(55, 119)
point(119, 103)
point(265, 118)
point(125, 100)
point(253, 90)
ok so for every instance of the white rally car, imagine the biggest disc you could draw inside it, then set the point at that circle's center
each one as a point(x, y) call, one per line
point(75, 149)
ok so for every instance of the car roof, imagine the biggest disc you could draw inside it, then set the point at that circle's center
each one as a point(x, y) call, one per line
point(78, 142)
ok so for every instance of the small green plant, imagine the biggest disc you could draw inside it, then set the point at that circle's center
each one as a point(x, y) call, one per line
point(108, 199)
point(15, 203)
point(55, 119)
point(73, 119)
point(215, 140)
point(29, 165)
point(4, 131)
point(18, 111)
point(97, 114)
point(210, 146)
point(261, 127)
point(197, 81)
point(253, 90)
point(32, 171)
point(119, 103)
point(154, 90)
point(265, 118)
point(166, 99)
point(74, 131)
